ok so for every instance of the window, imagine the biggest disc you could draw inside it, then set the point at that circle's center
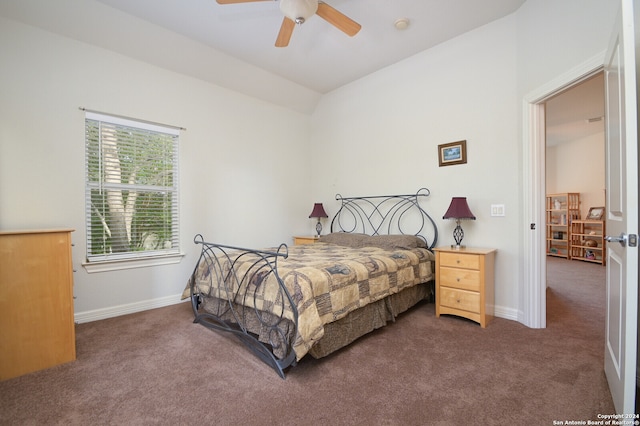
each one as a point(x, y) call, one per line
point(131, 196)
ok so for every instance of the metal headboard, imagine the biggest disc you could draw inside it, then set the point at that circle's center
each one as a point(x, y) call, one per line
point(386, 215)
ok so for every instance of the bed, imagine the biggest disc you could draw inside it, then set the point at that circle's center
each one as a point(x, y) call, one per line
point(285, 303)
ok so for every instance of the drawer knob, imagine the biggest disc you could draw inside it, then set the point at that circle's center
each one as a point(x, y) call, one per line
point(458, 279)
point(457, 260)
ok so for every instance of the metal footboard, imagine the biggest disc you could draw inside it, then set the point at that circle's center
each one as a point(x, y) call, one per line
point(238, 290)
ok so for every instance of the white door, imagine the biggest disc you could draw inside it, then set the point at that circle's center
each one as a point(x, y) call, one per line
point(622, 211)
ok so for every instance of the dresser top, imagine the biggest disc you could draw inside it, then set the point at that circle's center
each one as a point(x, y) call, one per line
point(468, 250)
point(35, 231)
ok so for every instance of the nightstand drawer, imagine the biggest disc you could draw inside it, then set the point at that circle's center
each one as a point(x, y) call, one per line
point(460, 260)
point(460, 299)
point(466, 279)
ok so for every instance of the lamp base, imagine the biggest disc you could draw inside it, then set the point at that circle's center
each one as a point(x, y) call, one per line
point(458, 235)
point(457, 247)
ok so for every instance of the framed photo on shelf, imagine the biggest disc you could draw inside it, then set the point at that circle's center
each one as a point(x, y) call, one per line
point(595, 213)
point(452, 153)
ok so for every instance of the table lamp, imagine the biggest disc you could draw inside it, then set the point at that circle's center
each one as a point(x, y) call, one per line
point(318, 212)
point(458, 210)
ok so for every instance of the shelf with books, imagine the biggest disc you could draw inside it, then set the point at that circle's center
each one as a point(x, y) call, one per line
point(587, 241)
point(561, 210)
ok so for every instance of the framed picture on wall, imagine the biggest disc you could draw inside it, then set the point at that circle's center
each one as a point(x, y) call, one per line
point(595, 213)
point(452, 153)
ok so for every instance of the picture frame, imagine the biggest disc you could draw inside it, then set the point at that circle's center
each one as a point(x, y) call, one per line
point(595, 213)
point(452, 153)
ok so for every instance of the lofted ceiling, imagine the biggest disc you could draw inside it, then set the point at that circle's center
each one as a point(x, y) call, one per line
point(319, 56)
point(233, 45)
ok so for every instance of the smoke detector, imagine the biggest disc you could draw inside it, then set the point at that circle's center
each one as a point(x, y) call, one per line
point(401, 24)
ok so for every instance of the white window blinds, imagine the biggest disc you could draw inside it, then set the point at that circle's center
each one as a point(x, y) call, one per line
point(131, 197)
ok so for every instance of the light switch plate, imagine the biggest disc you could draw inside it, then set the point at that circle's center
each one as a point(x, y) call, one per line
point(497, 210)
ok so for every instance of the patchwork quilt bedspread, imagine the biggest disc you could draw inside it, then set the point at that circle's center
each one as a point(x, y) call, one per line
point(327, 282)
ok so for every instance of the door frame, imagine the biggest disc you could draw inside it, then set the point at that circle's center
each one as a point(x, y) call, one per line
point(532, 299)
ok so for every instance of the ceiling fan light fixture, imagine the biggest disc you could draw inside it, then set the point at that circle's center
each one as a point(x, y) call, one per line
point(298, 10)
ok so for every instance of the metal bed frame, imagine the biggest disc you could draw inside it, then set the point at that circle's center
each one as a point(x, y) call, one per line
point(234, 316)
point(389, 213)
point(271, 336)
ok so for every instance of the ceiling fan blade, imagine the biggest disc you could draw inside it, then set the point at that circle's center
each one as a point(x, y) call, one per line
point(286, 29)
point(238, 1)
point(338, 20)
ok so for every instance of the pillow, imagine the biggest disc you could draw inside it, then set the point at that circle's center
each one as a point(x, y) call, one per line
point(387, 242)
point(344, 239)
point(393, 242)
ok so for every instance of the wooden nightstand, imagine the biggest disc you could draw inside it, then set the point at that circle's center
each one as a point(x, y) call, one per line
point(308, 239)
point(464, 283)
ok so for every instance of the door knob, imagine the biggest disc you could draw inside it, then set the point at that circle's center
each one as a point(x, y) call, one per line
point(622, 239)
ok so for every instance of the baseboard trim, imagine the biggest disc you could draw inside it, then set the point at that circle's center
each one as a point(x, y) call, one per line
point(506, 313)
point(130, 308)
point(145, 305)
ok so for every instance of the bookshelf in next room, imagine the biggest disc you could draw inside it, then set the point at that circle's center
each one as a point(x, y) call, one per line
point(587, 241)
point(561, 209)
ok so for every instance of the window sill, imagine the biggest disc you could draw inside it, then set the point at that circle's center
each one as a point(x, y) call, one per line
point(116, 265)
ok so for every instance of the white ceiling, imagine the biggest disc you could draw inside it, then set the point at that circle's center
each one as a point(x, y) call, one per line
point(233, 45)
point(319, 56)
point(576, 113)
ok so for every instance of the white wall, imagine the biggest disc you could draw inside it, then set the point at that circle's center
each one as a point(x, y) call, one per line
point(554, 36)
point(385, 130)
point(241, 178)
point(578, 166)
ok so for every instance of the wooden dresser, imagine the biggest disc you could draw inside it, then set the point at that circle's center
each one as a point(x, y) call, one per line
point(36, 301)
point(464, 283)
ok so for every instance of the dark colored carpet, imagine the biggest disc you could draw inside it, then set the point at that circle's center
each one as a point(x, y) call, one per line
point(157, 367)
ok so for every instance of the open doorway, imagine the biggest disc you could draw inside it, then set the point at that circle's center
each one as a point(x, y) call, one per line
point(533, 291)
point(575, 165)
point(575, 143)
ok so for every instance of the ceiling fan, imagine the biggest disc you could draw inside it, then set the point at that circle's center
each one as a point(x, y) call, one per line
point(298, 11)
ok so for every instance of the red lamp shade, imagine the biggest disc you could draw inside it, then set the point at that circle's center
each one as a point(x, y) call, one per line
point(318, 211)
point(459, 209)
